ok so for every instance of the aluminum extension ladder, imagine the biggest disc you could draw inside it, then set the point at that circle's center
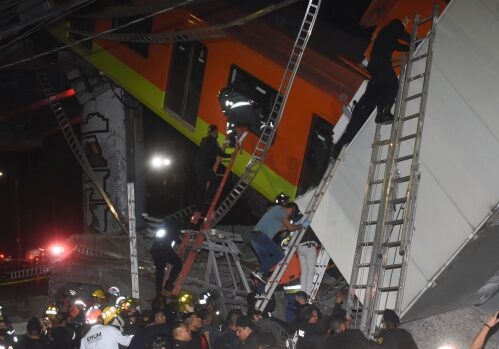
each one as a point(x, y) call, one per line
point(270, 128)
point(387, 222)
point(75, 146)
point(323, 257)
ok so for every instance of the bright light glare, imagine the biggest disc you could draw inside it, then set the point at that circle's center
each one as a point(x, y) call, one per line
point(160, 233)
point(56, 250)
point(446, 346)
point(156, 162)
point(1, 173)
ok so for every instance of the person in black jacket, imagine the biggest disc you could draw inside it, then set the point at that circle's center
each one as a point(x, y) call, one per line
point(62, 336)
point(382, 89)
point(345, 338)
point(393, 337)
point(203, 166)
point(246, 331)
point(146, 335)
point(33, 339)
point(228, 339)
point(380, 66)
point(182, 338)
point(162, 253)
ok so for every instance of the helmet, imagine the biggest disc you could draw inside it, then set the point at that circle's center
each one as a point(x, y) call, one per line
point(113, 290)
point(128, 303)
point(281, 199)
point(70, 292)
point(208, 296)
point(185, 298)
point(186, 302)
point(93, 314)
point(99, 293)
point(51, 311)
point(109, 314)
point(80, 304)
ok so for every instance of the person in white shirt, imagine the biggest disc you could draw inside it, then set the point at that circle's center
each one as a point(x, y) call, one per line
point(104, 337)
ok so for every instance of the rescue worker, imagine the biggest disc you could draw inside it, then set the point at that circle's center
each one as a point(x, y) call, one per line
point(203, 166)
point(102, 336)
point(4, 340)
point(393, 337)
point(162, 253)
point(382, 88)
point(7, 337)
point(277, 218)
point(383, 76)
point(99, 297)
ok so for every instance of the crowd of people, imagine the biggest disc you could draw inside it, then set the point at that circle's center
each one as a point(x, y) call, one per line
point(189, 322)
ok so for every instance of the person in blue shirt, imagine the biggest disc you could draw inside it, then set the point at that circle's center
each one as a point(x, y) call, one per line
point(277, 218)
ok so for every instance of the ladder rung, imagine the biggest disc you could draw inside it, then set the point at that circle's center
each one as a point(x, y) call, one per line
point(393, 266)
point(404, 158)
point(395, 222)
point(410, 98)
point(396, 180)
point(405, 138)
point(412, 116)
point(381, 143)
point(364, 265)
point(415, 77)
point(377, 162)
point(428, 19)
point(398, 201)
point(359, 287)
point(391, 244)
point(389, 289)
point(370, 222)
point(366, 244)
point(417, 58)
point(420, 39)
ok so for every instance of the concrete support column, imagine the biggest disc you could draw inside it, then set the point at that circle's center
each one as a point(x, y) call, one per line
point(103, 131)
point(135, 153)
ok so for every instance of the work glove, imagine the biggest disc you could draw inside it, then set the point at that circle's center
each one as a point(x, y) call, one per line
point(306, 223)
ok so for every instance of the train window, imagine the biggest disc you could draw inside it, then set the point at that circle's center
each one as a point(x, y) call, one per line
point(185, 80)
point(83, 24)
point(316, 155)
point(255, 89)
point(144, 26)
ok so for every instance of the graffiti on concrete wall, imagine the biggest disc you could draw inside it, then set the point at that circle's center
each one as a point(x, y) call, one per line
point(104, 143)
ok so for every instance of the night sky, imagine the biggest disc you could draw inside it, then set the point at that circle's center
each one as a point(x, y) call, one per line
point(50, 194)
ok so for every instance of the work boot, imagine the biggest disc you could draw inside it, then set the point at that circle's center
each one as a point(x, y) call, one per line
point(259, 276)
point(384, 116)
